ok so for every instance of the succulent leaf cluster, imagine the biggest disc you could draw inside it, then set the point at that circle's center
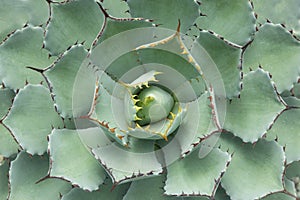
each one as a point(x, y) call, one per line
point(140, 99)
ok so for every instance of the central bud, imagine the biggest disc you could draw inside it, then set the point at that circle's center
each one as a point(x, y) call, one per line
point(155, 104)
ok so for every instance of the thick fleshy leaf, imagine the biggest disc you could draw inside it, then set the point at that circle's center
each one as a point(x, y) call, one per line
point(227, 59)
point(4, 180)
point(153, 185)
point(25, 171)
point(293, 174)
point(114, 27)
point(286, 130)
point(221, 194)
point(292, 101)
point(62, 85)
point(293, 170)
point(22, 49)
point(84, 90)
point(196, 176)
point(106, 191)
point(32, 118)
point(197, 124)
point(73, 21)
point(250, 116)
point(273, 12)
point(166, 13)
point(285, 195)
point(8, 145)
point(234, 21)
point(15, 14)
point(123, 163)
point(273, 48)
point(6, 98)
point(254, 170)
point(178, 75)
point(116, 8)
point(71, 160)
point(170, 60)
point(296, 90)
point(110, 109)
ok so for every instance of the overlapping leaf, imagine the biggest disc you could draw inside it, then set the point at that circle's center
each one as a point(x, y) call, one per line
point(166, 13)
point(280, 11)
point(250, 116)
point(4, 180)
point(15, 14)
point(196, 176)
point(234, 21)
point(255, 170)
point(71, 160)
point(23, 49)
point(62, 85)
point(73, 21)
point(26, 171)
point(32, 118)
point(275, 49)
point(227, 59)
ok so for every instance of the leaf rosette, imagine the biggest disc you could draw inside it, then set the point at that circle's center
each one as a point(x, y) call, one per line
point(152, 94)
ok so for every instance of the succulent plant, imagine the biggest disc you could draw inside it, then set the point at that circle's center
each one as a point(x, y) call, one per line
point(160, 99)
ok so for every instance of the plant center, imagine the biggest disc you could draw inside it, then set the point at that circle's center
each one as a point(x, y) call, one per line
point(155, 104)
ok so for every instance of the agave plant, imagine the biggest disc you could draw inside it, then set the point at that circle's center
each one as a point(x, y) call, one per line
point(137, 99)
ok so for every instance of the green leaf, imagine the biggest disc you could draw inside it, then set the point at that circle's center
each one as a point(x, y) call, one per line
point(178, 75)
point(22, 49)
point(124, 164)
point(234, 21)
point(32, 118)
point(8, 145)
point(255, 170)
point(114, 27)
point(110, 109)
point(290, 188)
point(62, 85)
point(73, 21)
point(4, 180)
point(83, 90)
point(296, 90)
point(293, 170)
point(286, 129)
point(292, 101)
point(258, 98)
point(227, 59)
point(153, 185)
point(196, 176)
point(24, 174)
point(169, 62)
point(15, 14)
point(114, 47)
point(221, 194)
point(274, 47)
point(273, 12)
point(71, 160)
point(196, 125)
point(166, 13)
point(116, 8)
point(6, 98)
point(106, 191)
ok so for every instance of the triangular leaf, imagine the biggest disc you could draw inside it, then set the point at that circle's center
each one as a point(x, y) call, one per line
point(71, 160)
point(196, 176)
point(250, 116)
point(32, 118)
point(24, 174)
point(255, 170)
